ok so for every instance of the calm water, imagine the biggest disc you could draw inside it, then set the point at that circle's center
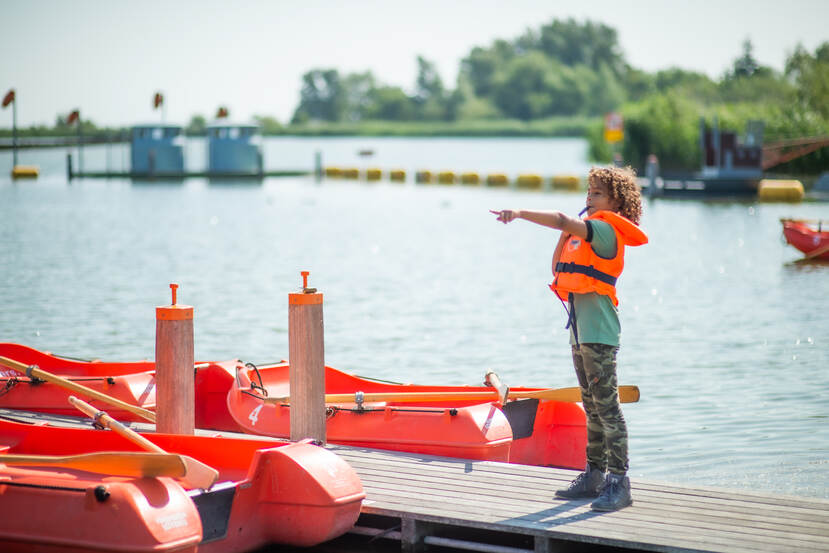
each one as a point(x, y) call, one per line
point(726, 337)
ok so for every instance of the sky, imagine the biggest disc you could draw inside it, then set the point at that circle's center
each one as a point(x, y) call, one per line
point(107, 58)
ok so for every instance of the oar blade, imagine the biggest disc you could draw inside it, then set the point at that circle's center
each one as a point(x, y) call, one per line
point(197, 474)
point(127, 463)
point(628, 394)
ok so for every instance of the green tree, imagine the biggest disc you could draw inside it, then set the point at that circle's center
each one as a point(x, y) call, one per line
point(429, 97)
point(322, 96)
point(665, 125)
point(390, 102)
point(810, 75)
point(358, 88)
point(197, 126)
point(745, 65)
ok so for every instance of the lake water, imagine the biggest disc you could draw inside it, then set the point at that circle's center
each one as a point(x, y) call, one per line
point(726, 337)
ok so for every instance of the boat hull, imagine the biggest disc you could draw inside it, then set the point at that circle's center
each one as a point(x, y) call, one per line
point(805, 238)
point(269, 491)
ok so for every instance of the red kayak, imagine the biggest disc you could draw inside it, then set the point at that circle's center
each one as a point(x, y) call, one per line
point(268, 491)
point(808, 237)
point(230, 398)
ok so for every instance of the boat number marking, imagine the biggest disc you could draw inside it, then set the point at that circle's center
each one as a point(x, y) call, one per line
point(254, 415)
point(172, 521)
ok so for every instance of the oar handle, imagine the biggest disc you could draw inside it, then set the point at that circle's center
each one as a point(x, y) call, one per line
point(108, 422)
point(75, 387)
point(196, 473)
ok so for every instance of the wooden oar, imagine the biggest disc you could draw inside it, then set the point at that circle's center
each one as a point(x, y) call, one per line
point(627, 394)
point(196, 473)
point(77, 388)
point(128, 463)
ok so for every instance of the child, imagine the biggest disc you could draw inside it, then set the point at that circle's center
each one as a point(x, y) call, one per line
point(587, 262)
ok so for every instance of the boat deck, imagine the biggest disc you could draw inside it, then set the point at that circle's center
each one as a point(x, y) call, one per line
point(437, 503)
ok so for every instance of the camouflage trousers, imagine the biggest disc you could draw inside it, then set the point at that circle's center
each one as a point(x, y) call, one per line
point(607, 434)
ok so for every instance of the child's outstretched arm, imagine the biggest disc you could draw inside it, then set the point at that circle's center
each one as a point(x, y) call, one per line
point(551, 219)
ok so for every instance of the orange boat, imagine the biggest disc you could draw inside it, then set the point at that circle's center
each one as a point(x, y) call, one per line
point(808, 237)
point(131, 382)
point(268, 491)
point(529, 431)
point(231, 396)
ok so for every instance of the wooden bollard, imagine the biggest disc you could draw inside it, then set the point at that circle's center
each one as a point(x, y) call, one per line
point(174, 359)
point(306, 351)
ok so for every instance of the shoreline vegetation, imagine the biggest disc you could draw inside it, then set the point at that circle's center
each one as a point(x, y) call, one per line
point(559, 80)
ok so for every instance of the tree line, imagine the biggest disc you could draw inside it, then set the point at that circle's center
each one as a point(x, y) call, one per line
point(576, 70)
point(560, 80)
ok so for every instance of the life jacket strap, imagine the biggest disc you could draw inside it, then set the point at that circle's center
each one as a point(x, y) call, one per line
point(588, 270)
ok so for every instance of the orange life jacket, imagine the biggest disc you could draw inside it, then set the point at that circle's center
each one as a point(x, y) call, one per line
point(579, 270)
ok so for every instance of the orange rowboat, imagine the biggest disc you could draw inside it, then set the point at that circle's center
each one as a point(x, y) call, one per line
point(130, 382)
point(268, 491)
point(529, 431)
point(808, 237)
point(232, 396)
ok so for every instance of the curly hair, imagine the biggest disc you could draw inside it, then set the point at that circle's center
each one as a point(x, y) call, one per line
point(620, 183)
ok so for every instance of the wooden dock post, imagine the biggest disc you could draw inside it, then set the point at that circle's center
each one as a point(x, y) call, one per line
point(306, 351)
point(174, 361)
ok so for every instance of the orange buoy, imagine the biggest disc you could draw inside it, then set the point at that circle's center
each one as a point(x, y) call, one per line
point(174, 360)
point(307, 354)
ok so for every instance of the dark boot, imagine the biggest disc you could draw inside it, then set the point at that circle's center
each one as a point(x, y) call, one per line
point(615, 495)
point(587, 484)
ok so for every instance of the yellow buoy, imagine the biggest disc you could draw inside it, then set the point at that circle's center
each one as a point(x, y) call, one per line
point(470, 178)
point(530, 181)
point(397, 175)
point(446, 177)
point(25, 172)
point(424, 177)
point(351, 173)
point(566, 182)
point(497, 179)
point(333, 172)
point(780, 191)
point(374, 174)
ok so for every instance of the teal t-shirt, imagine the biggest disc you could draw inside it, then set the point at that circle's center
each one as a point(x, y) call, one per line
point(597, 319)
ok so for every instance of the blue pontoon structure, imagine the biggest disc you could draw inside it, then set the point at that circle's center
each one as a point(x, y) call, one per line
point(234, 150)
point(157, 150)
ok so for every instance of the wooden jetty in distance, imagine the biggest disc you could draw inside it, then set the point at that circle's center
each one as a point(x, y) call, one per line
point(426, 503)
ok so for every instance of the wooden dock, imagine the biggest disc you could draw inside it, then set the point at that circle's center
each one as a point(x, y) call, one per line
point(427, 502)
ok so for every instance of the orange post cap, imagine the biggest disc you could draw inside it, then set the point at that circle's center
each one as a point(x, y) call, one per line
point(308, 296)
point(174, 312)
